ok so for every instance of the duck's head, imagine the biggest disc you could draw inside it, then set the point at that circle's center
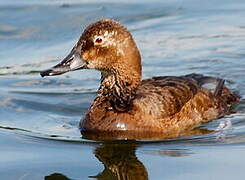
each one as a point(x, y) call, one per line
point(104, 45)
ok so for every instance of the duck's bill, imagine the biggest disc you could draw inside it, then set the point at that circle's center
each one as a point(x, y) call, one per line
point(72, 62)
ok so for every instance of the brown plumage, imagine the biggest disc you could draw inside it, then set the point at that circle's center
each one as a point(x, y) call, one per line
point(127, 107)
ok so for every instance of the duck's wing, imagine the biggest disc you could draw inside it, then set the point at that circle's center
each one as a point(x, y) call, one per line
point(166, 95)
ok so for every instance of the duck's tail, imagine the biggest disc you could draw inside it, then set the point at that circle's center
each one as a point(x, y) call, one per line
point(216, 85)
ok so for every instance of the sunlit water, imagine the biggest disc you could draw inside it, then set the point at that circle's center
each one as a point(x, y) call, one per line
point(39, 117)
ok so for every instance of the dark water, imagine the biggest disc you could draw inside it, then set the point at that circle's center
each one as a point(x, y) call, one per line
point(39, 117)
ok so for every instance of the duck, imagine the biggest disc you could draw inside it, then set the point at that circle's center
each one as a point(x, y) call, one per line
point(127, 107)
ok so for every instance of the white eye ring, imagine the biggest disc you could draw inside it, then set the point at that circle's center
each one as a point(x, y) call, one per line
point(98, 40)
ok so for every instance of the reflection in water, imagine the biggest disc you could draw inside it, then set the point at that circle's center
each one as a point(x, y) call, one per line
point(120, 162)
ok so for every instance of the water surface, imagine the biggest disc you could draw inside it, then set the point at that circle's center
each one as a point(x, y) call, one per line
point(39, 117)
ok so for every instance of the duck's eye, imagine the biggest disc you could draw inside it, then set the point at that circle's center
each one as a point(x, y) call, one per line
point(98, 40)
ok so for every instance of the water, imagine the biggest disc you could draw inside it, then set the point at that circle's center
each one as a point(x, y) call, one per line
point(39, 117)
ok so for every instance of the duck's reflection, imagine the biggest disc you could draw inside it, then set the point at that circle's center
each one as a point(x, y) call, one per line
point(120, 162)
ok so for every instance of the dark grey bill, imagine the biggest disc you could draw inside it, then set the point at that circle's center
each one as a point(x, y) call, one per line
point(72, 62)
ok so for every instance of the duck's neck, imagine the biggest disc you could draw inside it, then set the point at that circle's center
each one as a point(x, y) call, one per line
point(119, 88)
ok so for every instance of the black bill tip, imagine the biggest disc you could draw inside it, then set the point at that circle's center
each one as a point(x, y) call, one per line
point(45, 73)
point(51, 72)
